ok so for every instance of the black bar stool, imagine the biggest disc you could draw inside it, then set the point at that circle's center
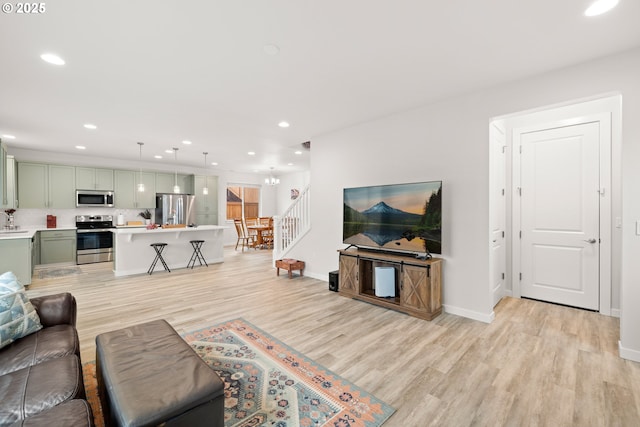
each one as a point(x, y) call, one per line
point(159, 247)
point(196, 255)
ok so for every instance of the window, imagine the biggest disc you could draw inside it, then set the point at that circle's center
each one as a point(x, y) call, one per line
point(243, 202)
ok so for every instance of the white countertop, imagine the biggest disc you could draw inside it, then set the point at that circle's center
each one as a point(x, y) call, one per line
point(28, 232)
point(143, 229)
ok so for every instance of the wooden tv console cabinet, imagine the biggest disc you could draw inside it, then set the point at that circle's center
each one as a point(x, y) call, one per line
point(418, 282)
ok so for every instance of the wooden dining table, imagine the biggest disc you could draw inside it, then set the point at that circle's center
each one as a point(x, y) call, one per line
point(260, 228)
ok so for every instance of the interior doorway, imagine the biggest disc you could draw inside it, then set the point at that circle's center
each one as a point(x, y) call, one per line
point(561, 204)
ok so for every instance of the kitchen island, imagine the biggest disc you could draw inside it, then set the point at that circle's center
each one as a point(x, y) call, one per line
point(133, 253)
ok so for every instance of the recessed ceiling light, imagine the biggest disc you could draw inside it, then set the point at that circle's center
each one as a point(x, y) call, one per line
point(157, 156)
point(298, 152)
point(81, 147)
point(214, 163)
point(185, 142)
point(8, 136)
point(289, 164)
point(90, 126)
point(283, 124)
point(271, 49)
point(168, 151)
point(251, 153)
point(600, 6)
point(52, 59)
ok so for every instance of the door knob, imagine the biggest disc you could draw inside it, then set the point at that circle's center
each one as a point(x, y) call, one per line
point(590, 241)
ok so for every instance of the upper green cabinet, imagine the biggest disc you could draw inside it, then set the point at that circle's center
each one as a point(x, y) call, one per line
point(206, 204)
point(7, 179)
point(94, 178)
point(41, 185)
point(4, 200)
point(46, 186)
point(166, 181)
point(127, 195)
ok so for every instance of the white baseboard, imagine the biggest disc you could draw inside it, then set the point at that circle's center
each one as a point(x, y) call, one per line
point(629, 354)
point(475, 315)
point(323, 277)
point(615, 312)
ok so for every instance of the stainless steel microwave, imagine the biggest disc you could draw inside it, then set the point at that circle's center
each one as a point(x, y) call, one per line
point(94, 198)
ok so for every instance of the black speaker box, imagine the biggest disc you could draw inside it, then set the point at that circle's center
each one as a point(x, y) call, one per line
point(333, 281)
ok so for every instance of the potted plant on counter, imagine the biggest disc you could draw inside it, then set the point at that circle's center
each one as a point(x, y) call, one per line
point(146, 214)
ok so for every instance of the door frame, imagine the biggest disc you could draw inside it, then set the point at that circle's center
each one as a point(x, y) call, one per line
point(607, 110)
point(497, 208)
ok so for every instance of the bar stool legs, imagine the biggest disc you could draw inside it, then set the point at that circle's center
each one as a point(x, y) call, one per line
point(159, 247)
point(196, 255)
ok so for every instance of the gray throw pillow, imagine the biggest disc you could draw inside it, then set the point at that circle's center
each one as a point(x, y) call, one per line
point(18, 317)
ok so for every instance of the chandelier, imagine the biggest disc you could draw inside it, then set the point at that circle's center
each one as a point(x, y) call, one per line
point(272, 180)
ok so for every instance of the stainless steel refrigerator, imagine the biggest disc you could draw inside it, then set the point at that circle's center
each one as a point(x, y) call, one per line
point(174, 208)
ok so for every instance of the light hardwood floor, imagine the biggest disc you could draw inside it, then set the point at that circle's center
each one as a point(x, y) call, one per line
point(536, 364)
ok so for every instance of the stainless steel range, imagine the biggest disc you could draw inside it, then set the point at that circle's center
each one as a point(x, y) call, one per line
point(94, 238)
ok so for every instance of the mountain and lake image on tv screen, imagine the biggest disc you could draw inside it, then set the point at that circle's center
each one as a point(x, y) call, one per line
point(398, 217)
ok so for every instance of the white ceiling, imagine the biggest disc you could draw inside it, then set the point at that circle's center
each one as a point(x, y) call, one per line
point(162, 72)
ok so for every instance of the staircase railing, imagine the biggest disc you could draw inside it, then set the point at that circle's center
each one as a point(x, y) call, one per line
point(294, 223)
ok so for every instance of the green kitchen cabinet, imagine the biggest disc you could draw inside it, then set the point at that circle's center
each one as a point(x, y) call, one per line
point(15, 256)
point(3, 174)
point(57, 246)
point(206, 204)
point(35, 251)
point(46, 186)
point(146, 198)
point(32, 185)
point(126, 191)
point(62, 187)
point(94, 178)
point(166, 181)
point(7, 179)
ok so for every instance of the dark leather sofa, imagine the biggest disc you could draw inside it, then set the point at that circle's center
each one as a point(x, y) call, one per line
point(41, 380)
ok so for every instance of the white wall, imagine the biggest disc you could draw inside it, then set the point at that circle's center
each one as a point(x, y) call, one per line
point(449, 141)
point(298, 180)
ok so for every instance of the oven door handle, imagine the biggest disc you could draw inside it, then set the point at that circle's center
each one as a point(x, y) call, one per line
point(94, 230)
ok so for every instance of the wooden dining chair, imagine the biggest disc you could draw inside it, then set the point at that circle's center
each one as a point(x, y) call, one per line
point(253, 234)
point(267, 234)
point(242, 236)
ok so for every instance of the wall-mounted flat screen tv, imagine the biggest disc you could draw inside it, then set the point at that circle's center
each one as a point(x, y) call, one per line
point(398, 217)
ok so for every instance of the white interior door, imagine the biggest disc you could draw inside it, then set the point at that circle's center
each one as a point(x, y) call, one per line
point(559, 215)
point(497, 269)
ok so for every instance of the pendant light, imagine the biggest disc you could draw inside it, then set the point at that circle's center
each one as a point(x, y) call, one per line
point(272, 180)
point(140, 183)
point(205, 190)
point(176, 187)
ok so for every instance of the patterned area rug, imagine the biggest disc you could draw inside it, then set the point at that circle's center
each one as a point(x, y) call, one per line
point(267, 383)
point(50, 273)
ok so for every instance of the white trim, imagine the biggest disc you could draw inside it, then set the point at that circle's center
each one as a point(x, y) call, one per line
point(607, 111)
point(323, 277)
point(475, 315)
point(627, 353)
point(607, 96)
point(615, 312)
point(497, 131)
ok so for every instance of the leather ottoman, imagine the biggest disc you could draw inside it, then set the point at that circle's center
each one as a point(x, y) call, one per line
point(148, 375)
